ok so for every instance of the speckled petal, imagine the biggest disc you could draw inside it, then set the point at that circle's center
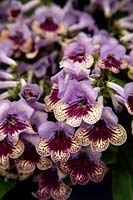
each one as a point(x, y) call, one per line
point(44, 163)
point(79, 177)
point(82, 137)
point(17, 150)
point(42, 148)
point(61, 193)
point(60, 156)
point(59, 111)
point(4, 161)
point(99, 145)
point(119, 135)
point(25, 166)
point(99, 172)
point(75, 146)
point(94, 114)
point(64, 168)
point(52, 99)
point(74, 121)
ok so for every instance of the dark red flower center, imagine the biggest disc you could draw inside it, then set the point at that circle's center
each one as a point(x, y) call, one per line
point(130, 102)
point(79, 108)
point(60, 142)
point(112, 62)
point(15, 12)
point(49, 25)
point(99, 131)
point(49, 178)
point(12, 125)
point(17, 38)
point(5, 148)
point(78, 56)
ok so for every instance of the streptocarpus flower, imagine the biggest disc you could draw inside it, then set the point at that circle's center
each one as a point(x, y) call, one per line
point(79, 103)
point(21, 37)
point(14, 118)
point(105, 131)
point(30, 92)
point(51, 99)
point(79, 51)
point(30, 159)
point(57, 141)
point(50, 185)
point(61, 81)
point(83, 167)
point(9, 151)
point(112, 58)
point(48, 21)
point(125, 94)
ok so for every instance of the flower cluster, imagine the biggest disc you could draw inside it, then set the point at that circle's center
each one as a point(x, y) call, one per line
point(61, 95)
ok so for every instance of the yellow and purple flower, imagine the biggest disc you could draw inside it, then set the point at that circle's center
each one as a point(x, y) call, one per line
point(83, 167)
point(50, 185)
point(8, 150)
point(112, 58)
point(57, 141)
point(14, 119)
point(30, 159)
point(105, 131)
point(78, 103)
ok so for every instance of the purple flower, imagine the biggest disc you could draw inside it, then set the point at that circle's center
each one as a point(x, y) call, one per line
point(30, 159)
point(57, 141)
point(125, 94)
point(78, 51)
point(61, 81)
point(30, 92)
point(14, 118)
point(9, 151)
point(50, 185)
point(112, 58)
point(21, 36)
point(79, 103)
point(6, 52)
point(48, 21)
point(105, 131)
point(83, 167)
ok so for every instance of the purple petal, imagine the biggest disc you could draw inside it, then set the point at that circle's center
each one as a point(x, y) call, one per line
point(128, 90)
point(109, 116)
point(47, 129)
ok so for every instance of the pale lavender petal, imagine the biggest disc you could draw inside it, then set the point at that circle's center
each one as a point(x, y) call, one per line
point(116, 87)
point(128, 90)
point(47, 129)
point(109, 116)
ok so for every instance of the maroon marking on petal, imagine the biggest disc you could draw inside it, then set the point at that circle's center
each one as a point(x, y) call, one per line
point(12, 125)
point(78, 109)
point(49, 178)
point(5, 149)
point(75, 58)
point(130, 102)
point(60, 142)
point(30, 154)
point(79, 167)
point(15, 13)
point(53, 97)
point(17, 38)
point(99, 131)
point(112, 62)
point(49, 25)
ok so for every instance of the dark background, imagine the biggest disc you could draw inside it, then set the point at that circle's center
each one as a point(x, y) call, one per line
point(91, 191)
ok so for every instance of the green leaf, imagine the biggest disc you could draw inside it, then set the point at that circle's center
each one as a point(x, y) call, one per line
point(6, 186)
point(122, 180)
